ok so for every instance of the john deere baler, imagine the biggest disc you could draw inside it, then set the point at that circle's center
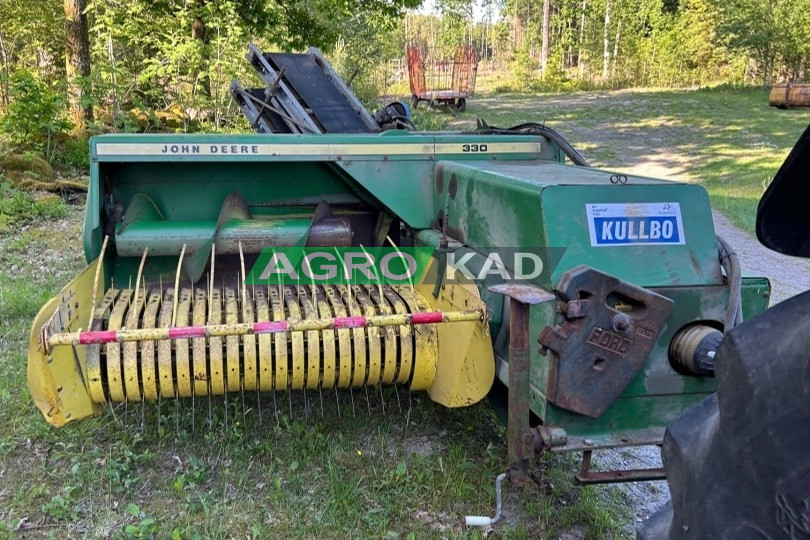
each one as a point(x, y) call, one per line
point(610, 334)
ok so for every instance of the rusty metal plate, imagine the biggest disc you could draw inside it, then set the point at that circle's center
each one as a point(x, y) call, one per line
point(608, 330)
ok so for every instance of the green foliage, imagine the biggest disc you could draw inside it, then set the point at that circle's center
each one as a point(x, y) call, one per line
point(63, 505)
point(36, 114)
point(145, 528)
point(769, 31)
point(17, 207)
point(73, 153)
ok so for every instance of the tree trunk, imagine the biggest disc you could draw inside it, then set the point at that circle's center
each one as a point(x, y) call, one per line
point(616, 48)
point(802, 69)
point(582, 22)
point(769, 70)
point(200, 32)
point(5, 74)
point(606, 51)
point(77, 61)
point(544, 46)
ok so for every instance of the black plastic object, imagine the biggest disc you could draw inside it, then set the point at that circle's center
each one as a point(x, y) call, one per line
point(395, 115)
point(783, 216)
point(738, 464)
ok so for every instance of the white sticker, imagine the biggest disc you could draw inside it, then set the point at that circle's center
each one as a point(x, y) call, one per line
point(632, 224)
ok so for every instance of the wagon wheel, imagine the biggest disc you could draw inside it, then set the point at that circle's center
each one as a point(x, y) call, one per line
point(414, 101)
point(461, 105)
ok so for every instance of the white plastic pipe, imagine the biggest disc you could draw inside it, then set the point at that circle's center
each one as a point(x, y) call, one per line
point(484, 521)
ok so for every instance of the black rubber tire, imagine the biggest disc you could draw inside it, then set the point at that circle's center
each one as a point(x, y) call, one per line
point(461, 105)
point(738, 463)
point(414, 102)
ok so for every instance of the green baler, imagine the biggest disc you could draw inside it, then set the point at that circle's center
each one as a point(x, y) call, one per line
point(156, 199)
point(597, 300)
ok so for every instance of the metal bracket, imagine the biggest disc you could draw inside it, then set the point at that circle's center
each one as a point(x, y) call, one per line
point(608, 331)
point(587, 476)
point(519, 437)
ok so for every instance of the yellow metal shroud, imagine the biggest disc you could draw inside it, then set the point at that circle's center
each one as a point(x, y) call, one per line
point(453, 362)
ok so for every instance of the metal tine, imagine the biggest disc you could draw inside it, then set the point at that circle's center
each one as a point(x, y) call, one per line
point(160, 395)
point(410, 281)
point(337, 401)
point(382, 399)
point(301, 307)
point(347, 285)
point(159, 401)
point(225, 394)
point(377, 275)
point(210, 316)
point(340, 298)
point(192, 300)
point(174, 323)
point(244, 317)
point(272, 375)
point(351, 394)
point(143, 401)
point(368, 401)
point(177, 285)
point(316, 308)
point(275, 407)
point(95, 280)
point(284, 317)
point(258, 365)
point(126, 401)
point(396, 391)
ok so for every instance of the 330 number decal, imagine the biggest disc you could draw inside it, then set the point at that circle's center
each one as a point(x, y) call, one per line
point(473, 148)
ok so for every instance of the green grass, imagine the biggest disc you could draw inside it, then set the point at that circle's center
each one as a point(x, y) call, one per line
point(728, 139)
point(412, 470)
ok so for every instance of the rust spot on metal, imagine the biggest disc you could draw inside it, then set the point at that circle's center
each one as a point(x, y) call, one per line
point(695, 263)
point(456, 233)
point(440, 180)
point(439, 223)
point(587, 476)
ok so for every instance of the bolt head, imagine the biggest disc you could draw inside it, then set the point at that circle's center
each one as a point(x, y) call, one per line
point(621, 322)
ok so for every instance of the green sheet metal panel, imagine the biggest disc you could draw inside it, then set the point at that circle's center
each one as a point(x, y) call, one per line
point(695, 262)
point(391, 170)
point(519, 204)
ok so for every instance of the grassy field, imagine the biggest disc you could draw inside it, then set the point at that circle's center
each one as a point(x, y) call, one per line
point(398, 467)
point(727, 139)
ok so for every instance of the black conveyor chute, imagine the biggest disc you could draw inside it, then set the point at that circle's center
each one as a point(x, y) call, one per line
point(303, 94)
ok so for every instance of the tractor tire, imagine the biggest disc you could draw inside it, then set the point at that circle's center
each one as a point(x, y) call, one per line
point(738, 463)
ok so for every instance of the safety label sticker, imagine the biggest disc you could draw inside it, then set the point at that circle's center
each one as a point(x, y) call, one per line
point(630, 224)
